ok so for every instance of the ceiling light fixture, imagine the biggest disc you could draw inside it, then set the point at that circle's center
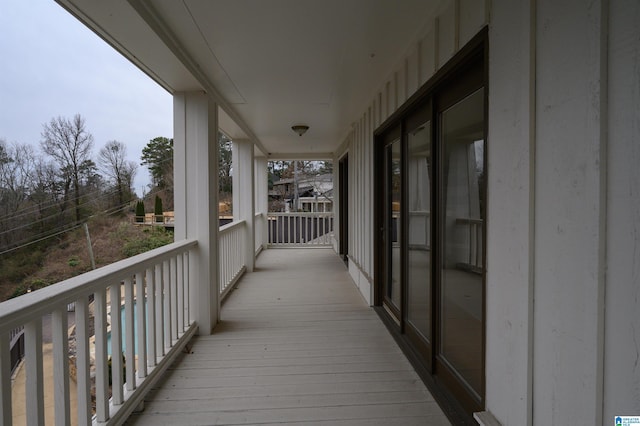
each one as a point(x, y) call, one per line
point(300, 129)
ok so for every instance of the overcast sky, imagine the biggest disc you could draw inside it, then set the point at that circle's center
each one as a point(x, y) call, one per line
point(51, 65)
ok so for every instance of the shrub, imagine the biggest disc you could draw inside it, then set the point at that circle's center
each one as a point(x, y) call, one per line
point(124, 368)
point(27, 287)
point(156, 237)
point(140, 211)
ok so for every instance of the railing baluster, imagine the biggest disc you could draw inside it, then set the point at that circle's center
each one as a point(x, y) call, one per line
point(141, 314)
point(187, 288)
point(59, 327)
point(166, 288)
point(117, 381)
point(180, 288)
point(6, 414)
point(174, 300)
point(221, 266)
point(33, 367)
point(159, 309)
point(102, 383)
point(479, 244)
point(129, 326)
point(83, 382)
point(151, 317)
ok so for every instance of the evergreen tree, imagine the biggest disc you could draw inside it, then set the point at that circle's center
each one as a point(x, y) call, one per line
point(140, 211)
point(157, 210)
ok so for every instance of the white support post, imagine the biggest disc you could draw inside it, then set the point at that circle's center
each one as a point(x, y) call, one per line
point(243, 195)
point(196, 199)
point(33, 367)
point(261, 186)
point(62, 410)
point(83, 383)
point(5, 380)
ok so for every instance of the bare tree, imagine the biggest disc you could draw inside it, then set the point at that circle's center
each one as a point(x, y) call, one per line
point(70, 144)
point(17, 163)
point(113, 162)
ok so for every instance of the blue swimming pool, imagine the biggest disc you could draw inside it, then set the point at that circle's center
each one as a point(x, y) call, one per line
point(123, 322)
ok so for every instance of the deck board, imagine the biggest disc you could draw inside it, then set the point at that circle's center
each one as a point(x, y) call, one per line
point(296, 344)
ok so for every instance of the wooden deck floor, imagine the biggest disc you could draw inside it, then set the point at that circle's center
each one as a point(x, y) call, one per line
point(297, 345)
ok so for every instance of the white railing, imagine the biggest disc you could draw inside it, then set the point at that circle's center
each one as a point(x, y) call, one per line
point(475, 242)
point(258, 228)
point(300, 229)
point(419, 230)
point(167, 218)
point(231, 246)
point(156, 289)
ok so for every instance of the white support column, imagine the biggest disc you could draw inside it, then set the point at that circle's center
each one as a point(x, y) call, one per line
point(262, 197)
point(243, 194)
point(196, 199)
point(6, 416)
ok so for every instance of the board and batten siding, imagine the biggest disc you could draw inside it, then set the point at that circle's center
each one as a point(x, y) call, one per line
point(455, 23)
point(563, 275)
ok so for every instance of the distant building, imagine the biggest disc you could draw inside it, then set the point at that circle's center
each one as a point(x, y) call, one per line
point(315, 194)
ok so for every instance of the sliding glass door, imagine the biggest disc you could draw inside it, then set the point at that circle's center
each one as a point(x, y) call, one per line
point(431, 193)
point(419, 245)
point(461, 227)
point(393, 226)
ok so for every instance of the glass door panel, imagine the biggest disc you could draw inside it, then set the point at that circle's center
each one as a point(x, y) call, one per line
point(419, 166)
point(462, 229)
point(394, 226)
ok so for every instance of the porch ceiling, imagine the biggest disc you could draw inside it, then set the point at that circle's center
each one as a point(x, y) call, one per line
point(271, 63)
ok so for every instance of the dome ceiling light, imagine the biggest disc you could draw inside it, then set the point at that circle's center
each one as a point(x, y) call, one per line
point(300, 129)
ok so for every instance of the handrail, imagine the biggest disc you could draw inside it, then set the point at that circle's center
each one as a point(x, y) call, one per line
point(300, 229)
point(259, 228)
point(232, 264)
point(19, 310)
point(156, 286)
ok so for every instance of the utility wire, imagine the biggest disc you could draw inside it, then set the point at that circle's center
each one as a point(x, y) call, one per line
point(44, 236)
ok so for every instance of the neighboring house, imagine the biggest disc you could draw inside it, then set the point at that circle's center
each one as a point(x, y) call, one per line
point(314, 194)
point(487, 190)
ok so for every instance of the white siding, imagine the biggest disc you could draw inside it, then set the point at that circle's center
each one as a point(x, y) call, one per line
point(622, 322)
point(564, 212)
point(569, 214)
point(509, 216)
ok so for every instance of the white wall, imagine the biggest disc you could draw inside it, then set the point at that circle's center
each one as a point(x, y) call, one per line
point(622, 295)
point(569, 213)
point(563, 200)
point(563, 273)
point(509, 216)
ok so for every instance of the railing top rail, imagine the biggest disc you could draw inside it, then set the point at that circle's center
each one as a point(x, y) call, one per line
point(468, 220)
point(230, 226)
point(309, 214)
point(20, 310)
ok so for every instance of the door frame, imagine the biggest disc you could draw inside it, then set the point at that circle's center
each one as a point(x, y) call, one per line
point(343, 176)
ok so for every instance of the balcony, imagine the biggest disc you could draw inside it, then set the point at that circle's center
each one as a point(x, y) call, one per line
point(295, 342)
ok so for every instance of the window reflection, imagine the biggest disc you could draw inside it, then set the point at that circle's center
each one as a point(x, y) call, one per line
point(463, 262)
point(419, 223)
